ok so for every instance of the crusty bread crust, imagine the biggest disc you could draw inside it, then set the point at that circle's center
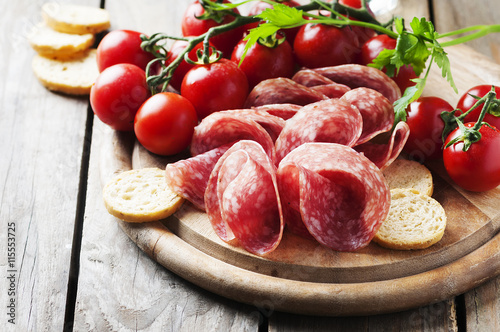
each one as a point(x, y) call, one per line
point(415, 221)
point(51, 43)
point(140, 195)
point(77, 19)
point(73, 76)
point(410, 174)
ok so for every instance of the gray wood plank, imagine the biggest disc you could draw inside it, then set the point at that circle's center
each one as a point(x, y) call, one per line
point(456, 14)
point(41, 143)
point(120, 287)
point(482, 303)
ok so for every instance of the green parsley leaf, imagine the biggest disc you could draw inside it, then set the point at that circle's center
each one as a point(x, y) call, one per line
point(442, 61)
point(411, 94)
point(282, 15)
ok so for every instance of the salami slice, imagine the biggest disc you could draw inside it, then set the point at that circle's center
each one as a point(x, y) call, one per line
point(332, 90)
point(383, 155)
point(228, 127)
point(332, 120)
point(355, 76)
point(376, 110)
point(282, 91)
point(343, 196)
point(242, 199)
point(309, 78)
point(188, 178)
point(284, 111)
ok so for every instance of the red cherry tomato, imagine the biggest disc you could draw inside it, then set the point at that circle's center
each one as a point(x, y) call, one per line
point(260, 6)
point(466, 102)
point(165, 123)
point(478, 168)
point(192, 26)
point(372, 48)
point(262, 62)
point(117, 94)
point(426, 127)
point(363, 33)
point(215, 87)
point(177, 47)
point(122, 46)
point(319, 45)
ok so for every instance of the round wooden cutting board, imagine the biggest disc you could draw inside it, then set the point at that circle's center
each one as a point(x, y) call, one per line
point(302, 276)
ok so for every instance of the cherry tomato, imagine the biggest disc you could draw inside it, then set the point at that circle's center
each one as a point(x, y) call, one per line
point(177, 47)
point(426, 127)
point(372, 48)
point(363, 33)
point(192, 26)
point(215, 87)
point(478, 168)
point(466, 102)
point(319, 45)
point(262, 62)
point(117, 94)
point(260, 6)
point(165, 123)
point(122, 46)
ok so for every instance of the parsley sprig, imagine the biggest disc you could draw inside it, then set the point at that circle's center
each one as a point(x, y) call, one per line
point(418, 46)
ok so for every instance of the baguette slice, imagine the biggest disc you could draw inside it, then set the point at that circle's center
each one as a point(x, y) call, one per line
point(76, 19)
point(415, 221)
point(410, 174)
point(140, 195)
point(73, 76)
point(51, 43)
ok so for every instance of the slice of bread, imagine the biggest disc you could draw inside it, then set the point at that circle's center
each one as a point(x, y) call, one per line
point(415, 221)
point(51, 43)
point(140, 195)
point(410, 174)
point(73, 76)
point(77, 19)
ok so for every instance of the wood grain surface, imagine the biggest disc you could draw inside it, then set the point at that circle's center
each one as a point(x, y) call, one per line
point(98, 279)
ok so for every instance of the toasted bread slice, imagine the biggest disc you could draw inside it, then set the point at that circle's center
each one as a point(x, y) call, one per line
point(73, 76)
point(415, 221)
point(140, 195)
point(76, 19)
point(51, 43)
point(410, 174)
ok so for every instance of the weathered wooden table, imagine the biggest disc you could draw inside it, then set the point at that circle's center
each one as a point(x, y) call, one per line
point(73, 267)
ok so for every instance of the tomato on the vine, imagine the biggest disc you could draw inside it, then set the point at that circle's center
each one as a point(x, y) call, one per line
point(165, 123)
point(467, 101)
point(478, 168)
point(426, 127)
point(320, 45)
point(215, 87)
point(122, 46)
point(117, 94)
point(262, 62)
point(177, 48)
point(372, 48)
point(363, 33)
point(192, 25)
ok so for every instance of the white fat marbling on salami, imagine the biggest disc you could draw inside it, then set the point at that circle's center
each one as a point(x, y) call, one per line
point(226, 127)
point(242, 199)
point(376, 110)
point(332, 120)
point(282, 91)
point(383, 155)
point(355, 76)
point(343, 197)
point(188, 178)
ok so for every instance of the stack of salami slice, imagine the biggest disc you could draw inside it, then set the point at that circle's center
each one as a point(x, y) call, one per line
point(300, 156)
